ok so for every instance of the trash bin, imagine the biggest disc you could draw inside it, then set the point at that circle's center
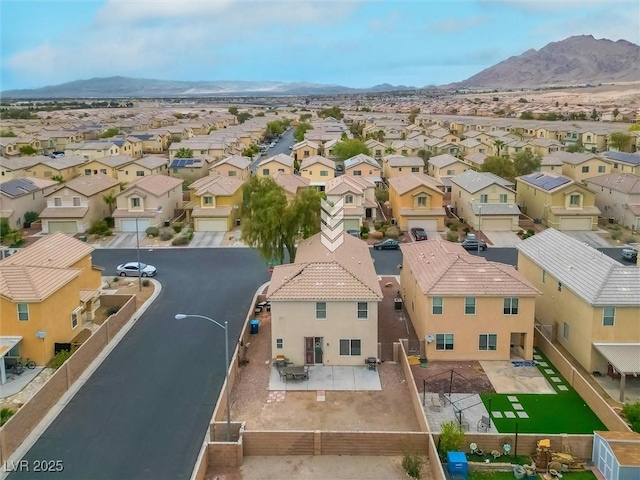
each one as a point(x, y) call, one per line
point(398, 303)
point(82, 238)
point(254, 326)
point(167, 223)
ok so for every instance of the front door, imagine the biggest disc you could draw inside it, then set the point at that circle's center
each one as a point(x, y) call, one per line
point(313, 350)
point(367, 212)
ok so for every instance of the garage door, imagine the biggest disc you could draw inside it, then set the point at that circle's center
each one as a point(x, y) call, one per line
point(496, 224)
point(572, 223)
point(351, 224)
point(66, 226)
point(428, 225)
point(211, 225)
point(130, 225)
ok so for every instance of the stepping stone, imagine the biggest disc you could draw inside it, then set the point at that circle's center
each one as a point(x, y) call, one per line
point(555, 379)
point(522, 414)
point(543, 364)
point(517, 406)
point(509, 415)
point(511, 398)
point(496, 414)
point(320, 396)
point(564, 388)
point(549, 371)
point(537, 357)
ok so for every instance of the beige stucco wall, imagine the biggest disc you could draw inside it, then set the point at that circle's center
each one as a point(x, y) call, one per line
point(293, 321)
point(575, 171)
point(408, 200)
point(461, 199)
point(611, 204)
point(227, 170)
point(452, 170)
point(313, 173)
point(273, 168)
point(33, 202)
point(301, 153)
point(44, 171)
point(365, 169)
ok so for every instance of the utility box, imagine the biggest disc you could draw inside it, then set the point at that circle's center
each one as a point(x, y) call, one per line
point(398, 303)
point(457, 466)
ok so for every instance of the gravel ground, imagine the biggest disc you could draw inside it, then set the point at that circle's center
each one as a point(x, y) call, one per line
point(468, 377)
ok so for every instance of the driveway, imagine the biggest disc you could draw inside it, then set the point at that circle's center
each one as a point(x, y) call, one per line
point(590, 237)
point(502, 239)
point(125, 240)
point(206, 239)
point(144, 412)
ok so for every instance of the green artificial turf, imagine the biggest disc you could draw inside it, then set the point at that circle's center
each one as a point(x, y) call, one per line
point(483, 475)
point(563, 412)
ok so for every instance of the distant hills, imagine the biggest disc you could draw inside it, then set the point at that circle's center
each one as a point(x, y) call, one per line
point(573, 61)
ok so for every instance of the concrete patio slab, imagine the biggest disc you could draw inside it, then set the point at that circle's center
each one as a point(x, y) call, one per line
point(340, 378)
point(502, 239)
point(507, 378)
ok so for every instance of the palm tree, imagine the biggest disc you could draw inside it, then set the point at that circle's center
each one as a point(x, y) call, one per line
point(184, 153)
point(424, 154)
point(5, 415)
point(110, 200)
point(498, 144)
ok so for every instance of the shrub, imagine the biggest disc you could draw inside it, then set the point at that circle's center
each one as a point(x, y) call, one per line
point(145, 282)
point(448, 224)
point(451, 438)
point(364, 230)
point(112, 310)
point(377, 225)
point(5, 415)
point(110, 222)
point(531, 232)
point(166, 235)
point(378, 235)
point(616, 234)
point(108, 232)
point(632, 413)
point(152, 231)
point(412, 464)
point(466, 230)
point(364, 236)
point(452, 236)
point(59, 358)
point(180, 240)
point(116, 279)
point(98, 227)
point(30, 217)
point(177, 227)
point(454, 227)
point(393, 232)
point(630, 239)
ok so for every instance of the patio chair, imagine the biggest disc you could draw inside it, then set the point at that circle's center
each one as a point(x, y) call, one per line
point(436, 406)
point(484, 424)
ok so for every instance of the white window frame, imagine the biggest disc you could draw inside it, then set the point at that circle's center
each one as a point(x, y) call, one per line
point(279, 343)
point(351, 345)
point(487, 342)
point(363, 310)
point(348, 199)
point(321, 313)
point(22, 312)
point(435, 305)
point(469, 306)
point(135, 200)
point(421, 201)
point(75, 318)
point(504, 198)
point(565, 331)
point(511, 305)
point(484, 198)
point(445, 341)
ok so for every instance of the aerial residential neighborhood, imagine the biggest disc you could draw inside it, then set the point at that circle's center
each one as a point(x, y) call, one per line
point(334, 275)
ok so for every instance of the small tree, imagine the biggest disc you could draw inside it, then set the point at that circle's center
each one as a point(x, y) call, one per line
point(451, 438)
point(632, 413)
point(349, 148)
point(526, 115)
point(576, 147)
point(300, 130)
point(5, 415)
point(500, 166)
point(499, 144)
point(184, 153)
point(57, 178)
point(30, 217)
point(233, 110)
point(110, 199)
point(620, 140)
point(526, 162)
point(28, 150)
point(111, 132)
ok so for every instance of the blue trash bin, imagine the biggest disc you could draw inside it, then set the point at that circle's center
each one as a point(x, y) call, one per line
point(254, 326)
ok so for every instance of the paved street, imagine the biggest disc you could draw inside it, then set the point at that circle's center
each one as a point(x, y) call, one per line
point(281, 147)
point(144, 412)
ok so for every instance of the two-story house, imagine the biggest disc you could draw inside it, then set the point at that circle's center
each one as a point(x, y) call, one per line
point(377, 149)
point(319, 170)
point(92, 150)
point(291, 184)
point(73, 206)
point(215, 203)
point(623, 162)
point(142, 167)
point(324, 307)
point(618, 197)
point(485, 201)
point(396, 165)
point(465, 307)
point(581, 166)
point(232, 166)
point(67, 167)
point(110, 166)
point(62, 290)
point(363, 165)
point(416, 201)
point(21, 195)
point(557, 201)
point(146, 202)
point(358, 197)
point(591, 302)
point(443, 167)
point(305, 149)
point(279, 163)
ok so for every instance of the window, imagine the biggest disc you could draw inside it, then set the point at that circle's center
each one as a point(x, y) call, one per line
point(74, 317)
point(279, 343)
point(444, 341)
point(76, 201)
point(574, 200)
point(608, 316)
point(281, 170)
point(23, 312)
point(484, 198)
point(324, 173)
point(208, 200)
point(103, 171)
point(565, 331)
point(436, 306)
point(265, 171)
point(503, 198)
point(559, 286)
point(350, 347)
point(57, 201)
point(175, 169)
point(451, 172)
point(321, 310)
point(422, 201)
point(348, 199)
point(602, 169)
point(363, 310)
point(487, 341)
point(357, 173)
point(510, 306)
point(378, 153)
point(306, 153)
point(415, 169)
point(232, 173)
point(469, 305)
point(139, 173)
point(544, 276)
point(135, 202)
point(87, 171)
point(585, 169)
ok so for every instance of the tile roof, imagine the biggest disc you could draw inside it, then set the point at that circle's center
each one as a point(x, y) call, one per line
point(23, 283)
point(216, 185)
point(590, 274)
point(55, 250)
point(237, 161)
point(306, 143)
point(361, 158)
point(156, 184)
point(89, 185)
point(572, 158)
point(347, 183)
point(152, 161)
point(290, 182)
point(307, 162)
point(319, 274)
point(477, 158)
point(473, 181)
point(282, 158)
point(620, 182)
point(445, 268)
point(406, 183)
point(402, 161)
point(64, 212)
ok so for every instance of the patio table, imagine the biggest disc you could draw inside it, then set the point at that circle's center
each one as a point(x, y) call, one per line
point(294, 373)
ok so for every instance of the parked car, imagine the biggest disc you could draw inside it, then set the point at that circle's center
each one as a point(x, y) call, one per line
point(629, 253)
point(339, 168)
point(419, 234)
point(471, 244)
point(355, 233)
point(272, 144)
point(132, 269)
point(388, 244)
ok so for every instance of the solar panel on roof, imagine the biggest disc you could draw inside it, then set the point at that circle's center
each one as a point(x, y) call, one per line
point(545, 182)
point(623, 157)
point(17, 186)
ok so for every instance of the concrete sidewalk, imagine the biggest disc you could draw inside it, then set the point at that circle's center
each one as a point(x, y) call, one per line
point(329, 378)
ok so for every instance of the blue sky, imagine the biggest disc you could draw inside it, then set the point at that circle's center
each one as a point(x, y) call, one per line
point(349, 42)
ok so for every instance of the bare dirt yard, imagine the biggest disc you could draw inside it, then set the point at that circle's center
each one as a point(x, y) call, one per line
point(454, 377)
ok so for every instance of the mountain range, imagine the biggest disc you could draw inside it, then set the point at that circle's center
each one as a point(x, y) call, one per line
point(574, 61)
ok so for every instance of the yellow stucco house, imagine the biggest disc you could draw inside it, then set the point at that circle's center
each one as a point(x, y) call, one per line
point(324, 307)
point(66, 167)
point(398, 165)
point(358, 197)
point(110, 166)
point(215, 203)
point(305, 149)
point(558, 201)
point(618, 198)
point(143, 167)
point(92, 150)
point(590, 301)
point(21, 195)
point(319, 170)
point(291, 184)
point(623, 162)
point(363, 166)
point(443, 167)
point(416, 200)
point(464, 307)
point(279, 163)
point(581, 166)
point(232, 166)
point(63, 290)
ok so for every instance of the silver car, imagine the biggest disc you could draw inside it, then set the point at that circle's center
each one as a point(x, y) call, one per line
point(132, 269)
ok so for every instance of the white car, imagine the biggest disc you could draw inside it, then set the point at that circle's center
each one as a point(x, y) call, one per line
point(273, 144)
point(131, 269)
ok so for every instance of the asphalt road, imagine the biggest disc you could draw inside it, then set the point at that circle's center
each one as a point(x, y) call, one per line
point(145, 411)
point(281, 147)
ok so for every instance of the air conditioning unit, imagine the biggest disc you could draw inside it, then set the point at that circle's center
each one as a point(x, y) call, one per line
point(537, 221)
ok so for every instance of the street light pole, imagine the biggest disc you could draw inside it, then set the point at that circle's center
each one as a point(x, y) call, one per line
point(479, 226)
point(225, 327)
point(138, 253)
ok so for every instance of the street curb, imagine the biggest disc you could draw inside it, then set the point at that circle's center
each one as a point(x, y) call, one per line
point(48, 419)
